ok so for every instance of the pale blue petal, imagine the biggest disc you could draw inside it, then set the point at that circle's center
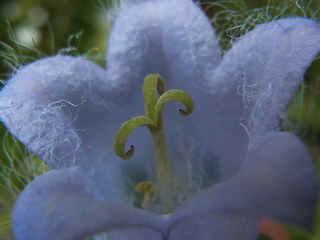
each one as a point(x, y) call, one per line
point(172, 38)
point(274, 78)
point(253, 86)
point(57, 205)
point(277, 180)
point(58, 107)
point(215, 226)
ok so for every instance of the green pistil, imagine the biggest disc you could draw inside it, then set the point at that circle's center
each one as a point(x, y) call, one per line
point(154, 106)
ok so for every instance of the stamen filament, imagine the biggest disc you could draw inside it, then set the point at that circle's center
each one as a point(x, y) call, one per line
point(148, 189)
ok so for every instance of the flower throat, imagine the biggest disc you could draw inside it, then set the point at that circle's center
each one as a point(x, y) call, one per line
point(154, 106)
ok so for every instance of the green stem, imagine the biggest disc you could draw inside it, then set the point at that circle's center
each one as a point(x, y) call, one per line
point(164, 172)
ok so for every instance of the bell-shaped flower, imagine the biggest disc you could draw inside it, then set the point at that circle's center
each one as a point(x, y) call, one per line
point(227, 164)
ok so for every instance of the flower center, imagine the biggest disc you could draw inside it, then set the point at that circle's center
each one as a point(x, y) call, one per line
point(154, 106)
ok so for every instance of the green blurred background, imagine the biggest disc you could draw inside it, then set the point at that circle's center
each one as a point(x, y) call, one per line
point(32, 29)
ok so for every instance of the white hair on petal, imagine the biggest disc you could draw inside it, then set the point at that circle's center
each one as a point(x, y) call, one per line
point(113, 7)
